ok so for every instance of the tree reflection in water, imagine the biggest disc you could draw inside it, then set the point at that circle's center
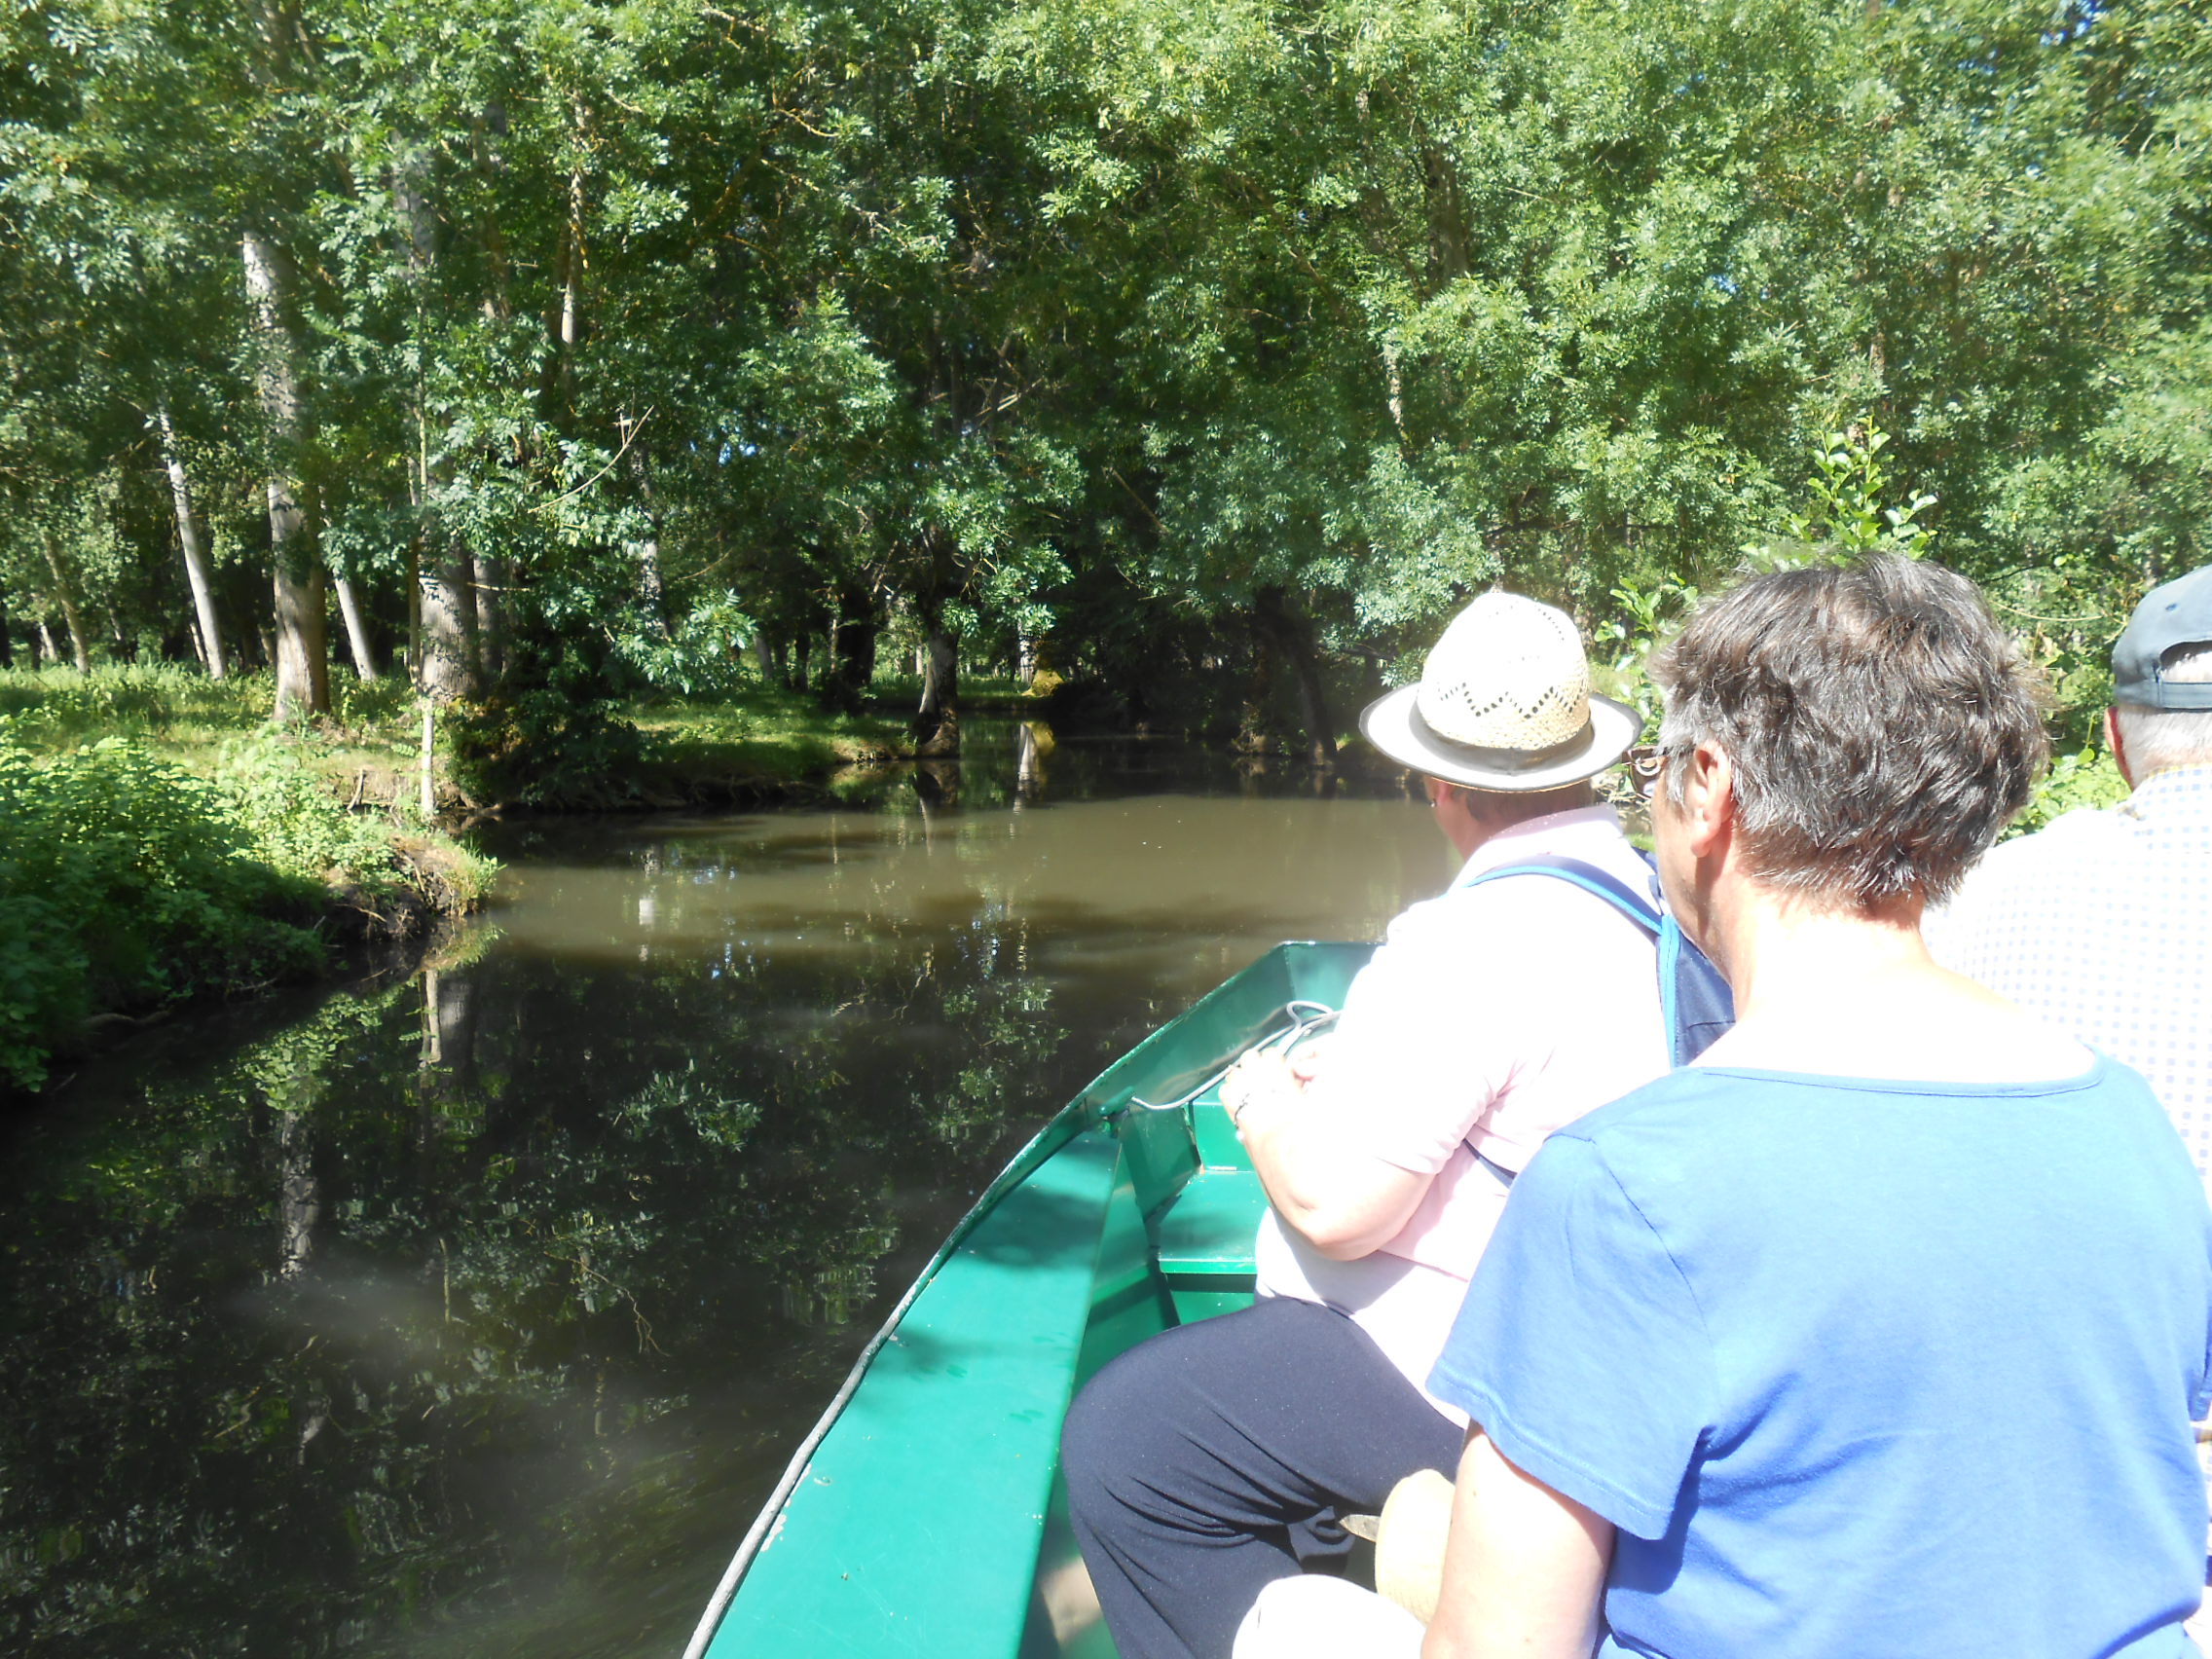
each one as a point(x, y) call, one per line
point(472, 1310)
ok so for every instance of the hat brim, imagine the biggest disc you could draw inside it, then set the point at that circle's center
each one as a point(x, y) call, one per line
point(1394, 726)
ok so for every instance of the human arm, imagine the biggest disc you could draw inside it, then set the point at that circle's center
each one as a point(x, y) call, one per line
point(1523, 1568)
point(1348, 1142)
point(1583, 1353)
point(1322, 1181)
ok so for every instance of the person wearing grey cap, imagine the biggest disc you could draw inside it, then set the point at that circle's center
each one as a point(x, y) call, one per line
point(1216, 1457)
point(2102, 921)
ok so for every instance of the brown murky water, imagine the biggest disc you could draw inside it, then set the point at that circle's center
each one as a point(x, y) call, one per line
point(472, 1309)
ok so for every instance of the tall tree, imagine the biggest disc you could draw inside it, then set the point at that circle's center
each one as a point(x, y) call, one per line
point(195, 554)
point(303, 658)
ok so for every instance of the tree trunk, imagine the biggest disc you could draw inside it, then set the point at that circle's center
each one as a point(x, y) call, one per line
point(854, 631)
point(573, 280)
point(1449, 240)
point(65, 596)
point(448, 652)
point(486, 132)
point(429, 770)
point(647, 551)
point(491, 617)
point(940, 672)
point(302, 644)
point(1394, 386)
point(649, 590)
point(195, 556)
point(863, 630)
point(46, 652)
point(1293, 639)
point(565, 318)
point(7, 645)
point(415, 611)
point(446, 591)
point(302, 656)
point(936, 722)
point(356, 630)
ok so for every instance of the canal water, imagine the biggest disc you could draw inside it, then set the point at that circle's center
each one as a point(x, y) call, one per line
point(472, 1309)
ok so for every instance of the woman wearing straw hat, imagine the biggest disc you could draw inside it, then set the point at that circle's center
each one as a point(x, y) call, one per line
point(1211, 1462)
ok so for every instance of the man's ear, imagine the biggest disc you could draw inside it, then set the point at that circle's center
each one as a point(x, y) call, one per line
point(2119, 746)
point(1708, 799)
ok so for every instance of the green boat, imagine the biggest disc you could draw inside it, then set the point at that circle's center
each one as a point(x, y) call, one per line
point(924, 1514)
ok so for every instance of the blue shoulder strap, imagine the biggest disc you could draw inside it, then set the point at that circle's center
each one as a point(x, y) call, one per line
point(1644, 913)
point(1695, 1003)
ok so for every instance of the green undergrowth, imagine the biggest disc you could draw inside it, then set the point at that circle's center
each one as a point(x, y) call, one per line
point(752, 736)
point(177, 709)
point(130, 882)
point(540, 752)
point(2077, 779)
point(127, 884)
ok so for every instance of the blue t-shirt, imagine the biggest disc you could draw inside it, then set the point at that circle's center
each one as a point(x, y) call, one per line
point(1861, 1367)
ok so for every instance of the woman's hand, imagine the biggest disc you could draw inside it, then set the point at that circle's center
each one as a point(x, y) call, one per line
point(1304, 1060)
point(1263, 1083)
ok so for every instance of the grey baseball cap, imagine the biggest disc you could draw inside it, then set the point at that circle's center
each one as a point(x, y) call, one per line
point(2179, 614)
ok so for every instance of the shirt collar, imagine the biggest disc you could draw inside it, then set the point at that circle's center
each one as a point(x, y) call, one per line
point(1584, 832)
point(2175, 788)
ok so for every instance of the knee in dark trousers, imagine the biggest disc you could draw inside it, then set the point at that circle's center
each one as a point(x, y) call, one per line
point(1201, 1465)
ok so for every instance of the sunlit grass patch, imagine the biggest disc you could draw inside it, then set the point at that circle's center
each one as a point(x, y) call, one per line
point(54, 707)
point(772, 736)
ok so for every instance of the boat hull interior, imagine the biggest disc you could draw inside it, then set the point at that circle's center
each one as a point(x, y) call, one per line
point(929, 1518)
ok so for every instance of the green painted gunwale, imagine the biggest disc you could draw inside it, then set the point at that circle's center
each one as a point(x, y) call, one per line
point(928, 1521)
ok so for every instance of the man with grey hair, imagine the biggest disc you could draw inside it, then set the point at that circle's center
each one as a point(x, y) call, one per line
point(2102, 922)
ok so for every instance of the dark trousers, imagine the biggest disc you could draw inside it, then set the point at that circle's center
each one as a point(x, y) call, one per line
point(1204, 1463)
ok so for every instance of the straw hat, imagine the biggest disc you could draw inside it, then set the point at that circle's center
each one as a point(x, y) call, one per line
point(1408, 1542)
point(1409, 1537)
point(1504, 703)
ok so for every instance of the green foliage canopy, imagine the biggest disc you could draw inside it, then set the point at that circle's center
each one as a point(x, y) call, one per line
point(1130, 324)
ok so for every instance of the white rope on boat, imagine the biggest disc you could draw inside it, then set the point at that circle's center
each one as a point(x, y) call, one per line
point(1277, 1041)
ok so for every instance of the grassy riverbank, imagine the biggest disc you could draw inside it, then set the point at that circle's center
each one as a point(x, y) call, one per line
point(160, 842)
point(757, 744)
point(754, 743)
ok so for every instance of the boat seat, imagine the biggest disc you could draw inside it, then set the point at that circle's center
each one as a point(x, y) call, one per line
point(1204, 1234)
